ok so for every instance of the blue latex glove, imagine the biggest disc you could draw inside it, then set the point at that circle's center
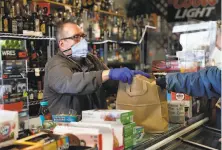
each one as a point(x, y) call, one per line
point(122, 74)
point(135, 72)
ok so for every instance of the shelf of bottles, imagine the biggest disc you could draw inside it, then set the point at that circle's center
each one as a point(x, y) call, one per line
point(13, 73)
point(123, 55)
point(100, 6)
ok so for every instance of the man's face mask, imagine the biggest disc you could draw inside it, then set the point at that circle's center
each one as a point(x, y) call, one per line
point(80, 49)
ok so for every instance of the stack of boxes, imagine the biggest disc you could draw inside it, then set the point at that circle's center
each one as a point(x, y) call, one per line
point(131, 134)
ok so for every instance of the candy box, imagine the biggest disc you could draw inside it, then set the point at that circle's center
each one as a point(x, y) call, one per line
point(8, 127)
point(128, 129)
point(121, 116)
point(128, 141)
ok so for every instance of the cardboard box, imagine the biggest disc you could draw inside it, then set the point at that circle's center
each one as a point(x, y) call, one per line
point(116, 128)
point(128, 129)
point(128, 141)
point(121, 116)
point(100, 138)
point(138, 134)
point(179, 111)
point(183, 99)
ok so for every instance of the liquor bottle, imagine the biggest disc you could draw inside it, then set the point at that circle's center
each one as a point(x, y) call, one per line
point(19, 19)
point(34, 55)
point(14, 21)
point(31, 95)
point(124, 28)
point(35, 22)
point(101, 29)
point(6, 22)
point(114, 29)
point(6, 19)
point(128, 31)
point(84, 3)
point(1, 23)
point(103, 5)
point(31, 25)
point(26, 18)
point(109, 27)
point(43, 20)
point(120, 30)
point(96, 28)
point(135, 31)
point(2, 4)
point(50, 25)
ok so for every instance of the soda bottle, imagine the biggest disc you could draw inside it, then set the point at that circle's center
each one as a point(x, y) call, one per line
point(44, 113)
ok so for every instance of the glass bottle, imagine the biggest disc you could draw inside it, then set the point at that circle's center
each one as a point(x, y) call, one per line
point(44, 112)
point(115, 29)
point(6, 21)
point(36, 22)
point(1, 15)
point(31, 95)
point(43, 21)
point(135, 31)
point(19, 19)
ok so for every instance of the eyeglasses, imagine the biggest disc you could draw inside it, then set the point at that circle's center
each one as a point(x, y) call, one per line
point(75, 37)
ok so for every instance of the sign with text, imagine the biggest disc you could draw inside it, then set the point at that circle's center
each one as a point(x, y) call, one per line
point(183, 10)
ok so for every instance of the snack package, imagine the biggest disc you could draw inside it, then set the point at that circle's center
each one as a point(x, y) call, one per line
point(8, 127)
point(121, 116)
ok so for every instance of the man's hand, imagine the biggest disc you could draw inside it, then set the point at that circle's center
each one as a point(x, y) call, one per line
point(122, 74)
point(125, 75)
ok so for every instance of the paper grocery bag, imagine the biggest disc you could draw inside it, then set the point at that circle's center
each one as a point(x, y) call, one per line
point(147, 101)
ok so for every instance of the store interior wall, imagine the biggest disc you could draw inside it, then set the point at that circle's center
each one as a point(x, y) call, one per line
point(157, 41)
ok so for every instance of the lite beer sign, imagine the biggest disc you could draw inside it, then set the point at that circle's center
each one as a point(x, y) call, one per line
point(182, 10)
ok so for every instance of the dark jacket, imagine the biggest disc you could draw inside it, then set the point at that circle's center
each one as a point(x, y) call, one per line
point(206, 82)
point(68, 86)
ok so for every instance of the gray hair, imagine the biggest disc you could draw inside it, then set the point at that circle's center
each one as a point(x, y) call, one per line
point(59, 30)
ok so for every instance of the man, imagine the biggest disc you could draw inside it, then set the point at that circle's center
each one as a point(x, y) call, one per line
point(74, 78)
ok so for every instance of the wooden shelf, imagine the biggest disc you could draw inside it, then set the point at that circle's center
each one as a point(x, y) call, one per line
point(52, 2)
point(111, 13)
point(66, 5)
